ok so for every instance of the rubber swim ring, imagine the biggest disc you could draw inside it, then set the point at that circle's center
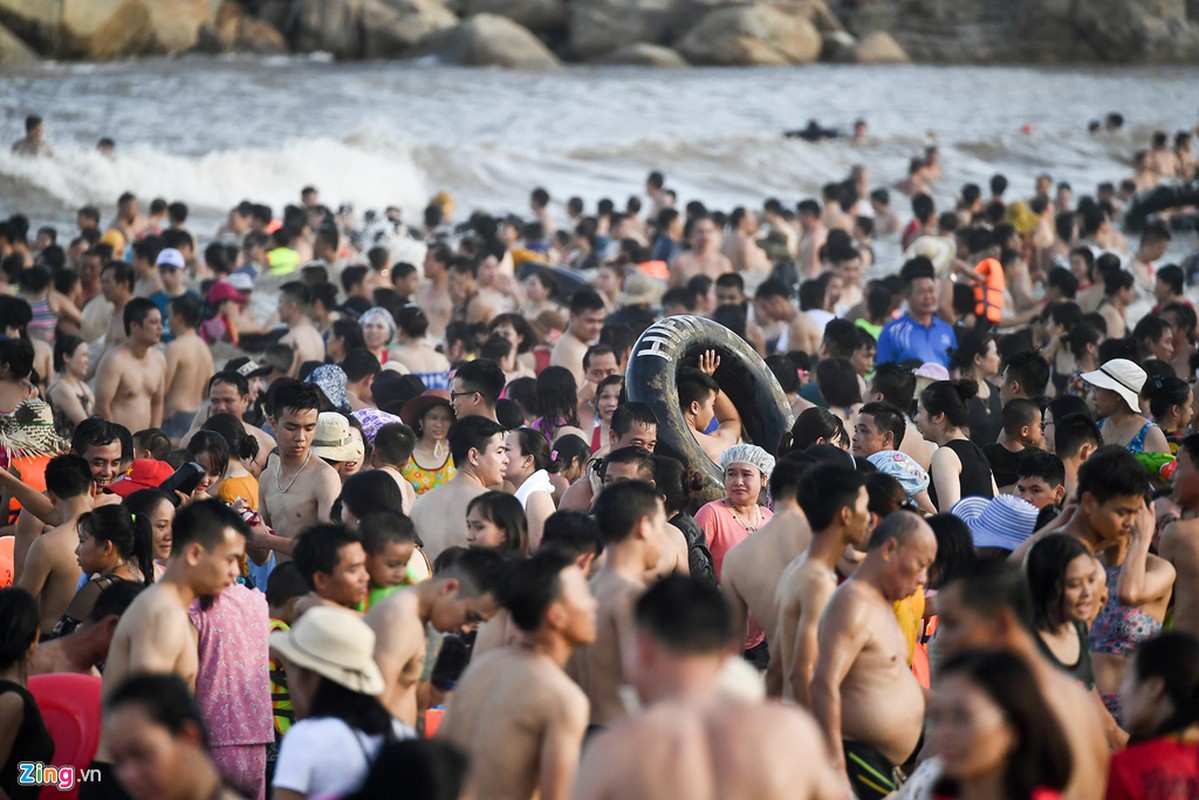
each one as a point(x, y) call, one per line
point(743, 376)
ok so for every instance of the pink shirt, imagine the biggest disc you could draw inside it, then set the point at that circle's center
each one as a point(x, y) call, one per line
point(233, 685)
point(723, 531)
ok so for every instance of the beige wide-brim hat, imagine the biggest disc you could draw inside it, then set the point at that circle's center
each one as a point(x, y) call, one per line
point(29, 431)
point(335, 644)
point(1123, 377)
point(640, 290)
point(333, 439)
point(940, 250)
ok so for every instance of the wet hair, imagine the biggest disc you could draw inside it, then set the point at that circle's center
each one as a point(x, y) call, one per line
point(19, 622)
point(557, 398)
point(165, 699)
point(676, 484)
point(971, 342)
point(955, 548)
point(288, 394)
point(135, 313)
point(472, 432)
point(896, 383)
point(370, 490)
point(950, 398)
point(694, 386)
point(506, 513)
point(204, 522)
point(1046, 569)
point(386, 525)
point(230, 428)
point(571, 533)
point(687, 616)
point(318, 549)
point(122, 273)
point(822, 493)
point(621, 506)
point(629, 414)
point(1041, 758)
point(1046, 466)
point(114, 524)
point(214, 445)
point(1112, 472)
point(838, 382)
point(812, 424)
point(533, 585)
point(483, 376)
point(1172, 657)
point(68, 476)
point(94, 432)
point(1072, 431)
point(1030, 369)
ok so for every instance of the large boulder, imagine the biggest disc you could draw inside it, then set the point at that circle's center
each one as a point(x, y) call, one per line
point(233, 31)
point(879, 47)
point(13, 51)
point(100, 29)
point(350, 29)
point(331, 26)
point(601, 26)
point(752, 34)
point(536, 15)
point(642, 55)
point(486, 40)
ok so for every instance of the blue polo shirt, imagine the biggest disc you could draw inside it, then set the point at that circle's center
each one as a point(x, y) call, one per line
point(905, 338)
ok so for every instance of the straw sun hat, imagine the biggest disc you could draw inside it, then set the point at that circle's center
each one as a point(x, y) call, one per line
point(335, 644)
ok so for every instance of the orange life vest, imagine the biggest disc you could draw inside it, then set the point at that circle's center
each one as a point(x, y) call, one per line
point(988, 295)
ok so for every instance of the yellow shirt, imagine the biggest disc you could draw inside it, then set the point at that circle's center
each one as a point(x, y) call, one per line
point(909, 612)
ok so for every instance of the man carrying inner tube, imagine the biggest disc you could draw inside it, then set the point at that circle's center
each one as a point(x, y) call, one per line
point(701, 400)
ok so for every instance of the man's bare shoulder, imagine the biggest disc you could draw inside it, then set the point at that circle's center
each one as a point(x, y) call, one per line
point(397, 607)
point(1180, 539)
point(156, 604)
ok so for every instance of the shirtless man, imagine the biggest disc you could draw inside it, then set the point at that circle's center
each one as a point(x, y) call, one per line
point(83, 650)
point(116, 284)
point(471, 303)
point(863, 693)
point(703, 257)
point(751, 571)
point(302, 336)
point(229, 393)
point(453, 601)
point(633, 425)
point(296, 490)
point(476, 388)
point(701, 400)
point(189, 366)
point(740, 247)
point(477, 447)
point(51, 572)
point(1180, 541)
point(156, 634)
point(690, 742)
point(773, 303)
point(515, 711)
point(333, 562)
point(390, 451)
point(632, 525)
point(834, 500)
point(33, 142)
point(813, 235)
point(988, 606)
point(131, 379)
point(586, 324)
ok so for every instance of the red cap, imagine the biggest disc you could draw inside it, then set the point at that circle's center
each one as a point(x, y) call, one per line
point(145, 473)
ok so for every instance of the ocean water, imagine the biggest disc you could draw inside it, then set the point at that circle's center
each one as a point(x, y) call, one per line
point(212, 132)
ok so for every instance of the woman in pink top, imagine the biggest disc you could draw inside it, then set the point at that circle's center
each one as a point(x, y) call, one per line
point(726, 522)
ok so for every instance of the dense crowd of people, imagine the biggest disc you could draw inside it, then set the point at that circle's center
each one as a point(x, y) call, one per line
point(319, 522)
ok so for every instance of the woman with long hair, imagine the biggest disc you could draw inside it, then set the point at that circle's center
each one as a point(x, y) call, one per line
point(994, 731)
point(814, 426)
point(959, 467)
point(557, 402)
point(528, 469)
point(518, 330)
point(210, 451)
point(344, 336)
point(238, 482)
point(25, 736)
point(495, 520)
point(677, 485)
point(70, 395)
point(977, 358)
point(153, 512)
point(608, 396)
point(1061, 581)
point(111, 548)
point(838, 382)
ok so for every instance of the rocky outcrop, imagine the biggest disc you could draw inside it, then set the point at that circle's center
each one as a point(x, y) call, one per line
point(752, 34)
point(486, 40)
point(351, 29)
point(13, 51)
point(234, 31)
point(601, 26)
point(642, 55)
point(879, 47)
point(536, 15)
point(103, 29)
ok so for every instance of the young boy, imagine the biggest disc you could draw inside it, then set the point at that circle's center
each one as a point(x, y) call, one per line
point(1041, 480)
point(390, 451)
point(283, 594)
point(390, 541)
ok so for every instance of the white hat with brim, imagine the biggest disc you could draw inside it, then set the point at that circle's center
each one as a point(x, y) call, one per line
point(335, 644)
point(940, 250)
point(1121, 376)
point(1003, 522)
point(640, 290)
point(333, 440)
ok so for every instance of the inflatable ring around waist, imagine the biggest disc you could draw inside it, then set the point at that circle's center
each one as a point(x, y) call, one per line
point(651, 378)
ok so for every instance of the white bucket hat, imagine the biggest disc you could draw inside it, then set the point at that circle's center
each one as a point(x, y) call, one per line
point(335, 644)
point(1121, 376)
point(333, 439)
